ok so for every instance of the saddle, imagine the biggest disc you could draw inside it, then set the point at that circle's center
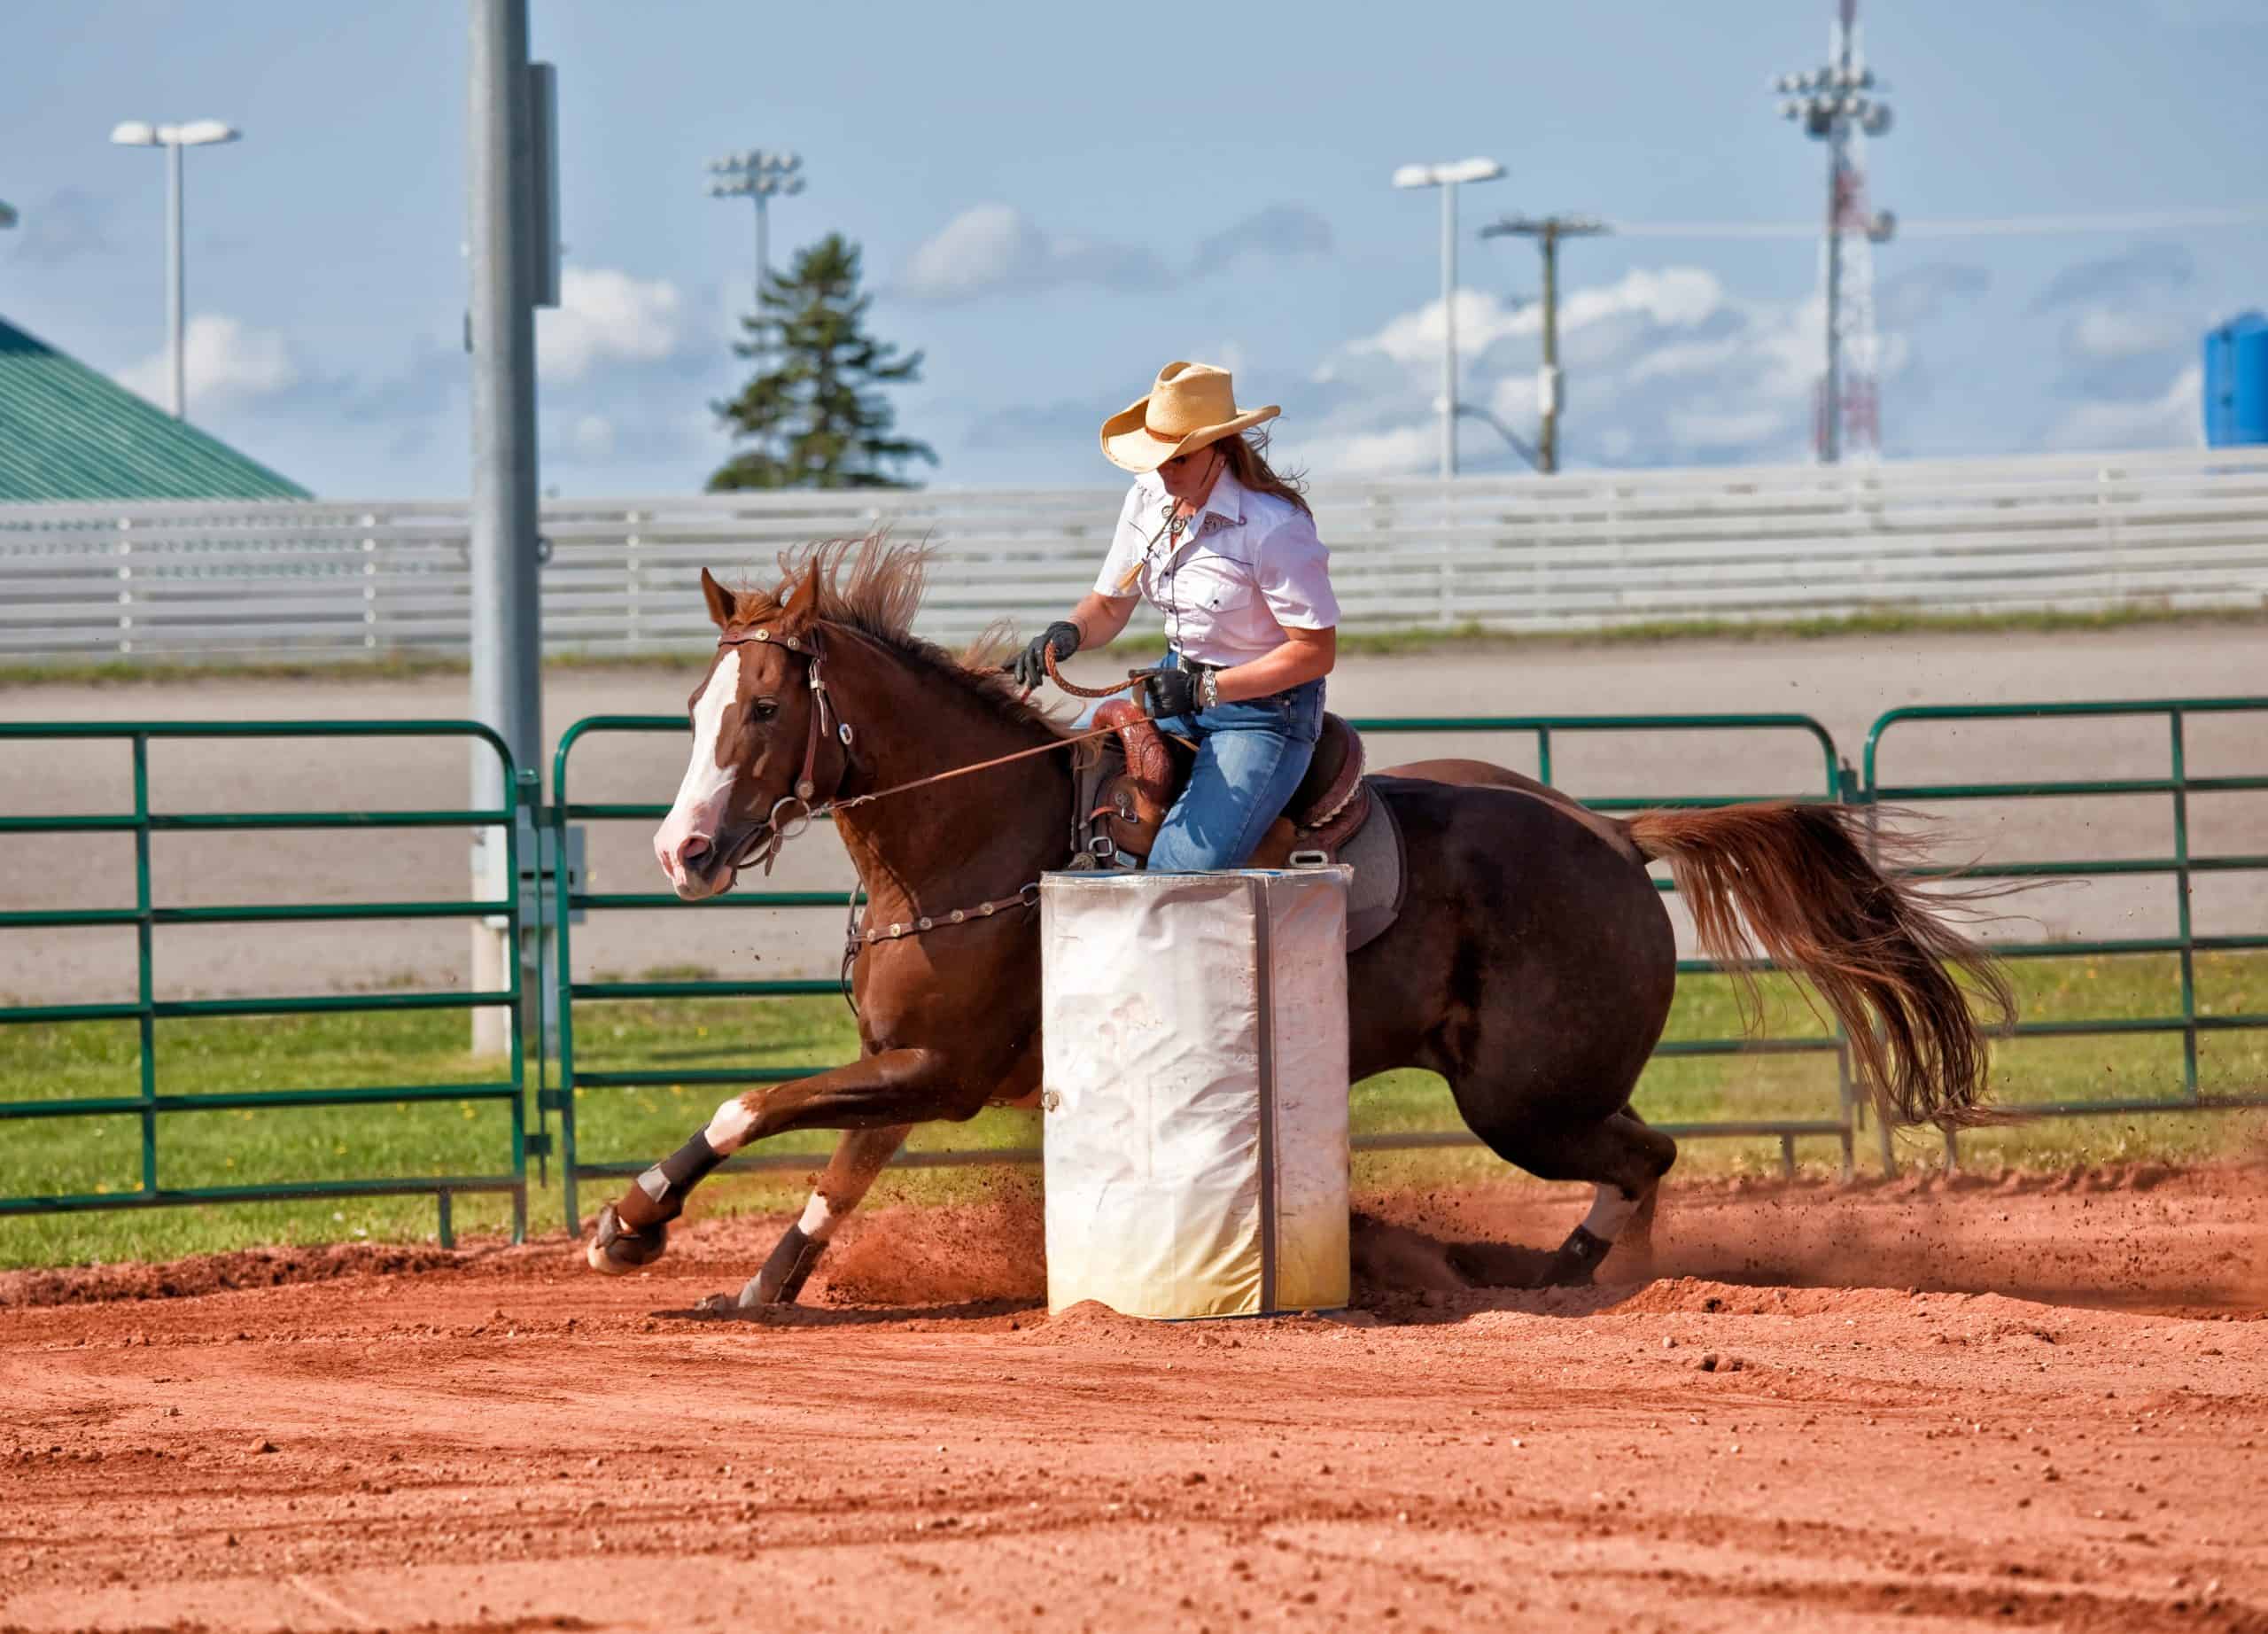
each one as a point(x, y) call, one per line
point(1334, 816)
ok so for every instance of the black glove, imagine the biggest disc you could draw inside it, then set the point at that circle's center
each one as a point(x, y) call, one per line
point(1029, 666)
point(1168, 692)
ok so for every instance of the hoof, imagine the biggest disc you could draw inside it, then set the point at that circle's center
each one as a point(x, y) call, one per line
point(1577, 1258)
point(1565, 1272)
point(783, 1275)
point(615, 1249)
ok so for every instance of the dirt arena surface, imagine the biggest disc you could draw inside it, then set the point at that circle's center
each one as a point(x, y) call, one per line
point(2023, 1403)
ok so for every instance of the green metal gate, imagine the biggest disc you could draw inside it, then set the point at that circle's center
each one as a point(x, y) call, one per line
point(147, 1010)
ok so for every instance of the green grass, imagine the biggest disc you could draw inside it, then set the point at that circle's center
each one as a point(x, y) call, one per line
point(55, 1061)
point(1429, 638)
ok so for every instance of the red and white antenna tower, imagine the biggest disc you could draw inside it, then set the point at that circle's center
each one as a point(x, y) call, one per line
point(1835, 105)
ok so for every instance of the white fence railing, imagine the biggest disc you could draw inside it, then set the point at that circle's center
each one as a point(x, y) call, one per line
point(1581, 550)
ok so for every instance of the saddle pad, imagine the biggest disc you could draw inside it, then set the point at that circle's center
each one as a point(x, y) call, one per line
point(1374, 897)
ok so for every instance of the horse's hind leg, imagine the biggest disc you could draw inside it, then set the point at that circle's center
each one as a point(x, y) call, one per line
point(1623, 1158)
point(858, 1157)
point(1636, 1240)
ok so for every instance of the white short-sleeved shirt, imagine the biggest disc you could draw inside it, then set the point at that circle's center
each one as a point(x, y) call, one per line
point(1250, 566)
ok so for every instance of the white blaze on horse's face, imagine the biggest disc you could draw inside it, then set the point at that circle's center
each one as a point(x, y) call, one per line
point(684, 842)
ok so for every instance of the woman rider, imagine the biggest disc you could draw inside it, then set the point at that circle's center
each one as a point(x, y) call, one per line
point(1226, 550)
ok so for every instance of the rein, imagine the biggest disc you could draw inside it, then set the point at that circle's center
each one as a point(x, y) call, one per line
point(1131, 683)
point(823, 705)
point(765, 844)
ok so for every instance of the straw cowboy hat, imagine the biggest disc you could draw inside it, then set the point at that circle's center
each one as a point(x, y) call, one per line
point(1191, 404)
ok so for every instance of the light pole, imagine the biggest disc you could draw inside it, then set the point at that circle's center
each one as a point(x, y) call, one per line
point(173, 138)
point(1546, 231)
point(1447, 177)
point(757, 173)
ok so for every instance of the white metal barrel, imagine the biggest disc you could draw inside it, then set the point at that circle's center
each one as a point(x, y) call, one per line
point(1195, 1090)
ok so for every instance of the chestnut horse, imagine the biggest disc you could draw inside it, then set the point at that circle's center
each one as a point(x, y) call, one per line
point(1532, 965)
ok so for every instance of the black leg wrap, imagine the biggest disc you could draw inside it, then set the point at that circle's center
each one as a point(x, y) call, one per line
point(1577, 1258)
point(667, 1182)
point(784, 1275)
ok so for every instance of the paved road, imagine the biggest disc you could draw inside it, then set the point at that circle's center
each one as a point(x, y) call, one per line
point(1843, 683)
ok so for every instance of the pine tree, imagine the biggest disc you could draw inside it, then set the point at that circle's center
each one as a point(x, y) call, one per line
point(814, 412)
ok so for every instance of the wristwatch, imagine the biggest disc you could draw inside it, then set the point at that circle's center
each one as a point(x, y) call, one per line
point(1208, 689)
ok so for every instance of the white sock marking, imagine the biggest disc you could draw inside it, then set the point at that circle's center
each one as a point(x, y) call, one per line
point(1610, 1211)
point(818, 1223)
point(728, 1131)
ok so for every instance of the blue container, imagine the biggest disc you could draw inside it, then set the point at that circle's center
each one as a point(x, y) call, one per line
point(2236, 382)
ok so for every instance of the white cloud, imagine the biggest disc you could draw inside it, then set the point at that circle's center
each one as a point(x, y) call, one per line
point(2173, 419)
point(227, 362)
point(2108, 333)
point(1395, 451)
point(1661, 365)
point(996, 248)
point(606, 315)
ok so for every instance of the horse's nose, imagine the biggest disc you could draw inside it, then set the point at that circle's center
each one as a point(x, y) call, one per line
point(685, 857)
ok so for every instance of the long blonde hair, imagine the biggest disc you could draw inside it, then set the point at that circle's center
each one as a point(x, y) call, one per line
point(1247, 458)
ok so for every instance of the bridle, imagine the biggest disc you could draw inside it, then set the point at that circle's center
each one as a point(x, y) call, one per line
point(763, 846)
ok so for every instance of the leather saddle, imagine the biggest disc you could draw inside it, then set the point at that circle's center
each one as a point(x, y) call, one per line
point(1329, 808)
point(1335, 815)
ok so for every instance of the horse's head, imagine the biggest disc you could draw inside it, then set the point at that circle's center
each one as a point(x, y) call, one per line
point(756, 735)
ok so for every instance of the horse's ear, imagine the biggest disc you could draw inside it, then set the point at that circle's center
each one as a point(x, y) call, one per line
point(801, 611)
point(719, 599)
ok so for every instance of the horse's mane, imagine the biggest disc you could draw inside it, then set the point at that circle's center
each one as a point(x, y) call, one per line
point(874, 587)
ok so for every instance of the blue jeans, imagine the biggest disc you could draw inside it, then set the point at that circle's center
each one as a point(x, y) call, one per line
point(1251, 755)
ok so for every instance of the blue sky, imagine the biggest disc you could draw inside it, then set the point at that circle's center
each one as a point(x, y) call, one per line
point(1054, 200)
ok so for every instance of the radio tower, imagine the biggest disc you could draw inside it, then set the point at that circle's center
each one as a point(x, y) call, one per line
point(1832, 106)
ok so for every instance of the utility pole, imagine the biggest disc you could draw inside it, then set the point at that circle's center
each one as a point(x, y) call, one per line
point(507, 277)
point(1547, 230)
point(1835, 109)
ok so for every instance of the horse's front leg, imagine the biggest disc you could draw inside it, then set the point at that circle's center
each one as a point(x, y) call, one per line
point(885, 1091)
point(859, 1157)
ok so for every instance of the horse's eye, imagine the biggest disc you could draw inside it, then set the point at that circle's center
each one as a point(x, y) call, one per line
point(765, 709)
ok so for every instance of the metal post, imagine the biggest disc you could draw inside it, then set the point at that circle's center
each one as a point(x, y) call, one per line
point(507, 676)
point(1448, 328)
point(763, 262)
point(763, 252)
point(1547, 441)
point(173, 292)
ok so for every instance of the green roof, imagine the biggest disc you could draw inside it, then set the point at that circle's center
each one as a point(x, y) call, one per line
point(67, 432)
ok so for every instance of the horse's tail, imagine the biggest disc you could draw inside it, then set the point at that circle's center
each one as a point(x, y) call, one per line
point(1875, 947)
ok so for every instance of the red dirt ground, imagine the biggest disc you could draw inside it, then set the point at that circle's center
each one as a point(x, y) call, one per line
point(2032, 1404)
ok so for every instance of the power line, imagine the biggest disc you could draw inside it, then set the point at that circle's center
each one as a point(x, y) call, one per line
point(1963, 226)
